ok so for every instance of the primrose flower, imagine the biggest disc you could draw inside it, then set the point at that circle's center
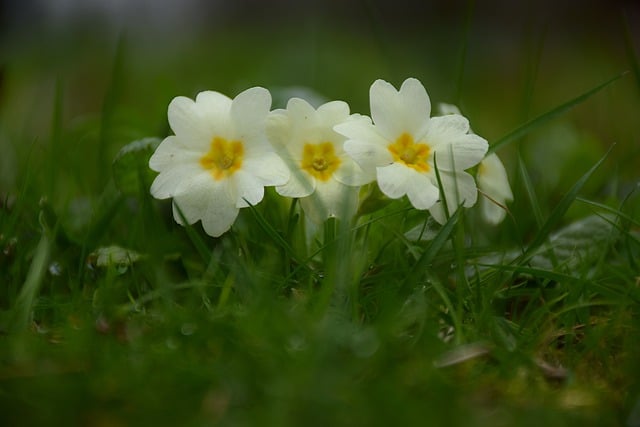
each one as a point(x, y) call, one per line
point(323, 176)
point(404, 144)
point(494, 184)
point(219, 159)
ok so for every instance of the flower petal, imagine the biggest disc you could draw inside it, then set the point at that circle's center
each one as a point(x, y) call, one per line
point(195, 202)
point(461, 153)
point(333, 112)
point(459, 189)
point(246, 189)
point(422, 194)
point(331, 199)
point(214, 108)
point(167, 184)
point(350, 173)
point(397, 112)
point(220, 213)
point(368, 156)
point(492, 213)
point(219, 218)
point(394, 180)
point(299, 185)
point(443, 129)
point(270, 169)
point(493, 180)
point(249, 113)
point(170, 153)
point(195, 123)
point(416, 105)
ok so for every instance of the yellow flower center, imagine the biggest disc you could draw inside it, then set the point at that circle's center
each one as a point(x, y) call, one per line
point(223, 159)
point(412, 154)
point(320, 160)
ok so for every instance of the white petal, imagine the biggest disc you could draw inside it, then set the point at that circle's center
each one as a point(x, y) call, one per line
point(184, 118)
point(167, 184)
point(246, 189)
point(368, 156)
point(394, 180)
point(438, 213)
point(195, 202)
point(299, 185)
point(331, 199)
point(219, 218)
point(195, 123)
point(333, 112)
point(170, 153)
point(422, 194)
point(269, 169)
point(459, 189)
point(443, 109)
point(214, 105)
point(249, 113)
point(443, 129)
point(397, 112)
point(350, 173)
point(301, 112)
point(416, 106)
point(278, 128)
point(493, 180)
point(491, 212)
point(220, 214)
point(461, 153)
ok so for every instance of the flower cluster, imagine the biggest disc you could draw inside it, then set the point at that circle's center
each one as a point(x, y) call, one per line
point(224, 152)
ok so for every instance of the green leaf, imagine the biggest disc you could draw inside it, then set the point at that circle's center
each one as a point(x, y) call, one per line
point(131, 171)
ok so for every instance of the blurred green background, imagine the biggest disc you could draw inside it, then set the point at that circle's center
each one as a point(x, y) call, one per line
point(66, 64)
point(81, 79)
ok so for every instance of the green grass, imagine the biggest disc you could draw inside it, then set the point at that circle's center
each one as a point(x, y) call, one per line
point(535, 321)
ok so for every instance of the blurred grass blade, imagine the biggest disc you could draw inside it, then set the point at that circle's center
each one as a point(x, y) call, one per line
point(195, 238)
point(273, 233)
point(531, 192)
point(108, 109)
point(561, 208)
point(609, 209)
point(538, 121)
point(131, 166)
point(56, 136)
point(434, 248)
point(26, 298)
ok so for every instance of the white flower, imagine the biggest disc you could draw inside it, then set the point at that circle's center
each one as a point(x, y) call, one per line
point(323, 176)
point(493, 182)
point(494, 185)
point(219, 159)
point(404, 144)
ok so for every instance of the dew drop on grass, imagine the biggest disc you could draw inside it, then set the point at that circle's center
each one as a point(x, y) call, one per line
point(55, 269)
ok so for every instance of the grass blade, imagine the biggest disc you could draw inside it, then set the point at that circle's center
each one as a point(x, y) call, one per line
point(197, 241)
point(560, 210)
point(26, 299)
